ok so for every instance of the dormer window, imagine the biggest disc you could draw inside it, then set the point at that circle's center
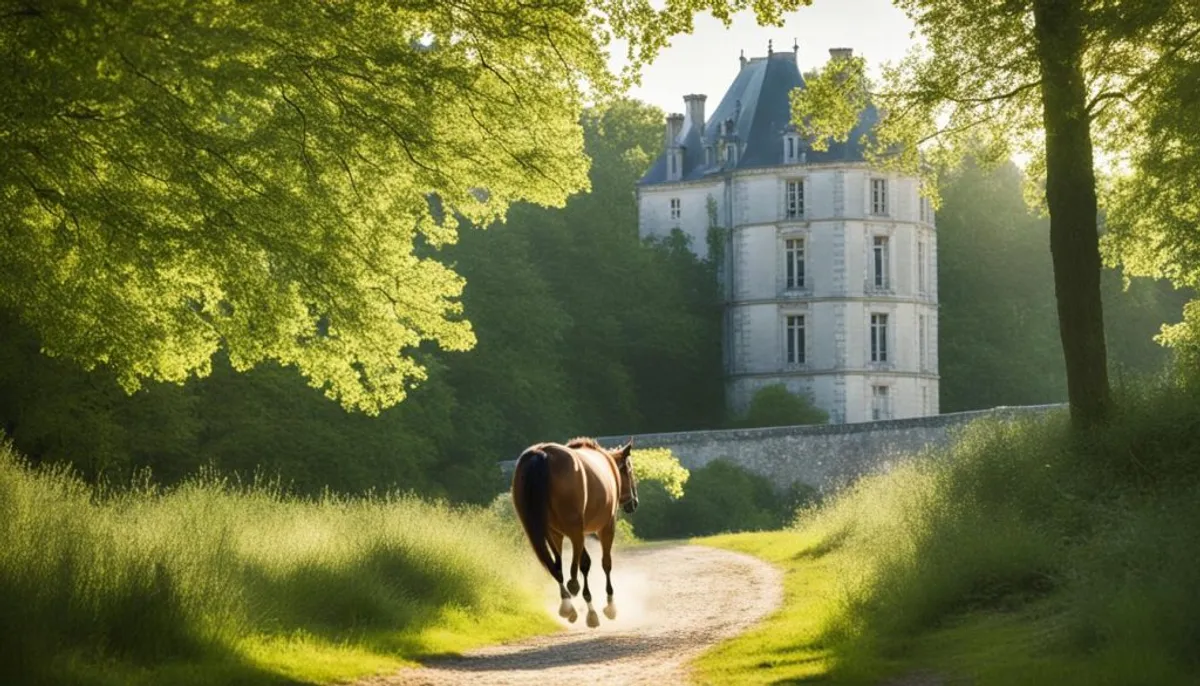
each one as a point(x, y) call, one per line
point(791, 149)
point(710, 156)
point(732, 154)
point(674, 164)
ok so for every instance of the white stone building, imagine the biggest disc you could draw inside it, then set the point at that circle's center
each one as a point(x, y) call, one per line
point(829, 268)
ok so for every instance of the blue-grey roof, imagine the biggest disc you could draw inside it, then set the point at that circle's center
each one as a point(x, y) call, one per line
point(759, 107)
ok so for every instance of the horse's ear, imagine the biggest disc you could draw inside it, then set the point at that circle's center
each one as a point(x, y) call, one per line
point(625, 449)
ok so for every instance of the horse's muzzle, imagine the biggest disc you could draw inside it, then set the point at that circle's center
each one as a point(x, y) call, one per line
point(630, 505)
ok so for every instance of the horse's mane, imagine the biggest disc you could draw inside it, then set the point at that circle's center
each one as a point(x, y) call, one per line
point(585, 442)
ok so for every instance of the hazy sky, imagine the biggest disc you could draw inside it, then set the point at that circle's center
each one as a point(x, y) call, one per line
point(707, 60)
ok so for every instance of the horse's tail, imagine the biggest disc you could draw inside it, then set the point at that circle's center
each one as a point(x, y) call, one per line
point(532, 504)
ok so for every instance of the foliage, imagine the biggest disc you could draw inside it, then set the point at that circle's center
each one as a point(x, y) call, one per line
point(242, 583)
point(660, 466)
point(775, 405)
point(1083, 575)
point(720, 496)
point(555, 357)
point(1153, 218)
point(997, 330)
point(1055, 79)
point(276, 181)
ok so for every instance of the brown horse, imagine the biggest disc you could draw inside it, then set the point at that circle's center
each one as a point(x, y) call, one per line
point(569, 491)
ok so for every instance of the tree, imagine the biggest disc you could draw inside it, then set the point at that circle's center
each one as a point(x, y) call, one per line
point(1073, 70)
point(1155, 210)
point(179, 177)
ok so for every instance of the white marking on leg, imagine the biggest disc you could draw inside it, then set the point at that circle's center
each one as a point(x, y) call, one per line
point(593, 619)
point(610, 610)
point(566, 609)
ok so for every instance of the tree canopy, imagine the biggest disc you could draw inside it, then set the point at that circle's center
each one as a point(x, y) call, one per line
point(275, 179)
point(1056, 79)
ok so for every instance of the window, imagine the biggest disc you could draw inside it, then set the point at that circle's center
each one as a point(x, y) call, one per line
point(921, 267)
point(795, 339)
point(709, 155)
point(879, 263)
point(794, 268)
point(925, 400)
point(879, 338)
point(674, 170)
point(921, 340)
point(881, 406)
point(676, 208)
point(794, 199)
point(879, 197)
point(791, 149)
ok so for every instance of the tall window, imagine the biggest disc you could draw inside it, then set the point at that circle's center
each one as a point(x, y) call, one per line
point(794, 257)
point(921, 342)
point(709, 155)
point(791, 148)
point(795, 339)
point(879, 262)
point(879, 199)
point(879, 338)
point(676, 208)
point(674, 170)
point(881, 406)
point(795, 199)
point(924, 400)
point(921, 267)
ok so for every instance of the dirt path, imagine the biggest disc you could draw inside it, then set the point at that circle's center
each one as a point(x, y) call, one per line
point(672, 602)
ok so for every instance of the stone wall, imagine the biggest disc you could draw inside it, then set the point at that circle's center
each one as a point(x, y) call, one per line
point(824, 456)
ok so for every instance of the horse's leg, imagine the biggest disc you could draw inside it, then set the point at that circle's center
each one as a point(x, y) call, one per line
point(593, 619)
point(565, 609)
point(606, 541)
point(577, 553)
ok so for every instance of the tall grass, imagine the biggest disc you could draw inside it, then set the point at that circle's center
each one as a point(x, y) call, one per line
point(1092, 541)
point(111, 586)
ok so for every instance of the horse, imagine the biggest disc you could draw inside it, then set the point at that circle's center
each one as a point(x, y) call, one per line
point(570, 491)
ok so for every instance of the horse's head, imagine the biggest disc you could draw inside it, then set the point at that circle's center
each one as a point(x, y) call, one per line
point(628, 485)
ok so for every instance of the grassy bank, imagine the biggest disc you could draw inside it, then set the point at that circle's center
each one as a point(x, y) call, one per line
point(1024, 555)
point(216, 583)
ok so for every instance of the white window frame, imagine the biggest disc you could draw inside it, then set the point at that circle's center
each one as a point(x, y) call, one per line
point(795, 339)
point(797, 263)
point(793, 202)
point(880, 278)
point(881, 402)
point(676, 209)
point(879, 196)
point(878, 338)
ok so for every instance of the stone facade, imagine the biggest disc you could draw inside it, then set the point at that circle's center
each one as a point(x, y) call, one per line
point(829, 267)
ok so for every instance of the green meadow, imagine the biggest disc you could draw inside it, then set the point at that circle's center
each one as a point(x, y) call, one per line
point(212, 581)
point(1025, 554)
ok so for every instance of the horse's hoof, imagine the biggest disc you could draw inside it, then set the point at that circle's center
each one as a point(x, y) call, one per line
point(610, 611)
point(593, 619)
point(566, 610)
point(573, 616)
point(573, 587)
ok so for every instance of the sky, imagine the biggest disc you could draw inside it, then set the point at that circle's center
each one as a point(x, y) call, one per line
point(706, 61)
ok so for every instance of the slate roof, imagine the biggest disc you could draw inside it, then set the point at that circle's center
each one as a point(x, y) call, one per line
point(757, 102)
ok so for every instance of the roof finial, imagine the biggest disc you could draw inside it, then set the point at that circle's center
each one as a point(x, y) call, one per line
point(770, 50)
point(795, 45)
point(742, 58)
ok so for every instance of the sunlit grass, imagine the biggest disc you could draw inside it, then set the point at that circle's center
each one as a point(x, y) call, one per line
point(1023, 555)
point(212, 582)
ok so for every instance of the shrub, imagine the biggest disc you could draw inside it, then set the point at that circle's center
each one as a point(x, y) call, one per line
point(775, 405)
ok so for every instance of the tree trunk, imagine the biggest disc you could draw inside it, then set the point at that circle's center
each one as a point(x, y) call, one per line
point(1071, 196)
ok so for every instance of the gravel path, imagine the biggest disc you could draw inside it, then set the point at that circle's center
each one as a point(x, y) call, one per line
point(673, 602)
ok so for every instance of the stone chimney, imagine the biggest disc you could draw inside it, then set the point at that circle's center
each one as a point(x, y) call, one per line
point(840, 53)
point(695, 110)
point(674, 128)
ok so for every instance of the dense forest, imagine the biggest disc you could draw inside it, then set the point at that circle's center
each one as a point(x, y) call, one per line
point(581, 329)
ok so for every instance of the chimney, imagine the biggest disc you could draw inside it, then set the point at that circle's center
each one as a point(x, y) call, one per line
point(695, 111)
point(840, 53)
point(674, 127)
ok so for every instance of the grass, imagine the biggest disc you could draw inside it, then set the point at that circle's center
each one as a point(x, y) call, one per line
point(1025, 554)
point(212, 582)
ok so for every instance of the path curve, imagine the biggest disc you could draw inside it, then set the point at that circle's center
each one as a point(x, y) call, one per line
point(673, 601)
